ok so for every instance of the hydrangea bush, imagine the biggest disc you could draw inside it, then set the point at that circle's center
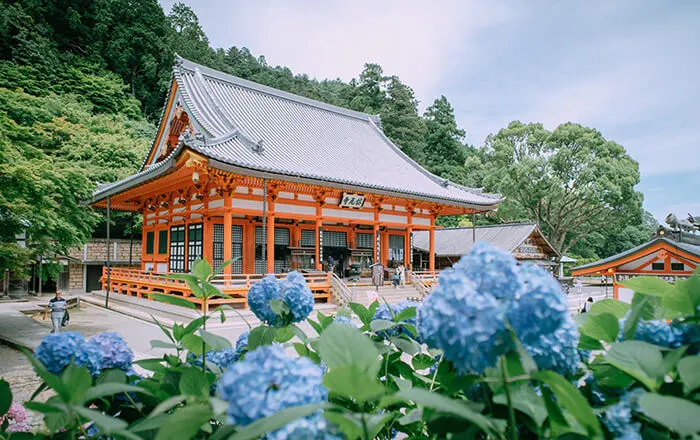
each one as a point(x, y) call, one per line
point(491, 353)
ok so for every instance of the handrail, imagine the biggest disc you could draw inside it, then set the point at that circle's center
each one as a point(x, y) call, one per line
point(342, 289)
point(419, 278)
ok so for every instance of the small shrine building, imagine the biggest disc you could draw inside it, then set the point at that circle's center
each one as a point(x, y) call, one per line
point(663, 257)
point(275, 182)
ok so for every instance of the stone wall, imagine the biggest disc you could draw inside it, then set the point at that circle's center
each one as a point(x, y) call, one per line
point(75, 277)
point(96, 250)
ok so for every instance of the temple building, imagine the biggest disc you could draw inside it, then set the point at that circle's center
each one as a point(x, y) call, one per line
point(670, 255)
point(274, 182)
point(524, 241)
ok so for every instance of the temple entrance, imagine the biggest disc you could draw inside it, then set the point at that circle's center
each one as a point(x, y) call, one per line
point(336, 254)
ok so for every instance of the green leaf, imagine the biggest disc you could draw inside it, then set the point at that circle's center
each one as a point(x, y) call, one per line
point(162, 344)
point(526, 401)
point(110, 389)
point(609, 376)
point(315, 325)
point(573, 401)
point(163, 329)
point(53, 381)
point(679, 415)
point(527, 363)
point(348, 424)
point(184, 423)
point(259, 336)
point(5, 397)
point(447, 405)
point(78, 380)
point(167, 405)
point(641, 360)
point(672, 357)
point(149, 424)
point(216, 342)
point(652, 286)
point(195, 344)
point(408, 346)
point(193, 382)
point(194, 325)
point(275, 421)
point(585, 342)
point(689, 372)
point(379, 325)
point(349, 381)
point(679, 298)
point(422, 361)
point(278, 307)
point(174, 300)
point(111, 375)
point(107, 423)
point(343, 345)
point(362, 312)
point(44, 408)
point(641, 306)
point(284, 334)
point(405, 314)
point(201, 269)
point(182, 276)
point(617, 308)
point(601, 327)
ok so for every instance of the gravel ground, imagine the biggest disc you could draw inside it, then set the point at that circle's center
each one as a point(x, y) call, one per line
point(18, 372)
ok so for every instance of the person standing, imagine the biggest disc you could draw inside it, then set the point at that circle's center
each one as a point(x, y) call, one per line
point(57, 305)
point(402, 275)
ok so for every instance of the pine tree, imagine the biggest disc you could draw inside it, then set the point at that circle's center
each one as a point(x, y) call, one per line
point(400, 119)
point(443, 139)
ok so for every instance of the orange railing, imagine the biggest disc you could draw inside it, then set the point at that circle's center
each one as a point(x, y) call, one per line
point(134, 282)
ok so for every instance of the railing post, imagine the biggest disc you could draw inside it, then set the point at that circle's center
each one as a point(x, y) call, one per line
point(354, 291)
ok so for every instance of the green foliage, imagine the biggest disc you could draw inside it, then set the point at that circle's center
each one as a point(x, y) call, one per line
point(573, 182)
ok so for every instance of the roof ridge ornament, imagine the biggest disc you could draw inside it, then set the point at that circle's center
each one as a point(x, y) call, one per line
point(193, 140)
point(258, 147)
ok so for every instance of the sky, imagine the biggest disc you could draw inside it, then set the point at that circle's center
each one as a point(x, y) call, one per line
point(629, 68)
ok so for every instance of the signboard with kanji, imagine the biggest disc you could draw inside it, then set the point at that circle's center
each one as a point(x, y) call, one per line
point(354, 201)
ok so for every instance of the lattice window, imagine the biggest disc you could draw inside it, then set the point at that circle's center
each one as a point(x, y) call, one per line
point(282, 236)
point(364, 241)
point(308, 238)
point(177, 249)
point(163, 241)
point(237, 248)
point(194, 243)
point(335, 239)
point(149, 242)
point(218, 245)
point(396, 248)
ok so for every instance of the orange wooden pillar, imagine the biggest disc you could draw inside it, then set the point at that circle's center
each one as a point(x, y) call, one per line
point(207, 233)
point(319, 264)
point(431, 258)
point(407, 248)
point(384, 247)
point(228, 251)
point(270, 224)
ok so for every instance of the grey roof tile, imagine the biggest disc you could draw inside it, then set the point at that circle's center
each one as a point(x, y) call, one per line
point(690, 248)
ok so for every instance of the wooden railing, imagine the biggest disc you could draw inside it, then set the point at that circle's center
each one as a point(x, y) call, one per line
point(424, 280)
point(134, 282)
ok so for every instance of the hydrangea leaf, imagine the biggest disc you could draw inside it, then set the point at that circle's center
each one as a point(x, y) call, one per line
point(195, 344)
point(184, 423)
point(349, 381)
point(284, 334)
point(216, 342)
point(201, 269)
point(689, 371)
point(174, 300)
point(379, 325)
point(676, 414)
point(405, 314)
point(679, 299)
point(652, 286)
point(601, 327)
point(342, 345)
point(569, 397)
point(447, 405)
point(193, 382)
point(107, 423)
point(362, 312)
point(51, 379)
point(348, 425)
point(422, 361)
point(5, 397)
point(274, 422)
point(77, 380)
point(640, 360)
point(608, 376)
point(617, 308)
point(408, 346)
point(110, 389)
point(260, 336)
point(526, 401)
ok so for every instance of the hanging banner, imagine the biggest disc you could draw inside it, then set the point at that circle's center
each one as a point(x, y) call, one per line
point(378, 257)
point(410, 249)
point(320, 245)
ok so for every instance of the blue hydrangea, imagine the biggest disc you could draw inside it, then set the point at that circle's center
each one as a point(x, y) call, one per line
point(115, 352)
point(657, 332)
point(343, 320)
point(267, 381)
point(618, 418)
point(292, 290)
point(631, 433)
point(242, 341)
point(541, 301)
point(465, 316)
point(297, 295)
point(468, 327)
point(57, 350)
point(259, 296)
point(90, 354)
point(491, 270)
point(314, 427)
point(225, 357)
point(557, 351)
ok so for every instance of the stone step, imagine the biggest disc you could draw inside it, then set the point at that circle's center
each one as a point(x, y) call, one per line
point(168, 314)
point(389, 294)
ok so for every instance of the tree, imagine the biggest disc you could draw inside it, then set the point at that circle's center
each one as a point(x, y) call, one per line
point(444, 152)
point(188, 38)
point(369, 94)
point(573, 182)
point(400, 119)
